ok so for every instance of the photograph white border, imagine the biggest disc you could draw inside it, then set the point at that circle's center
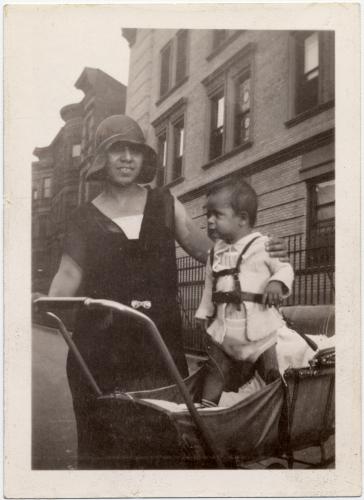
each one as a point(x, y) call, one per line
point(345, 478)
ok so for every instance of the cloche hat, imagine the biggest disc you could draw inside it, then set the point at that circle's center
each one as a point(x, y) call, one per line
point(121, 128)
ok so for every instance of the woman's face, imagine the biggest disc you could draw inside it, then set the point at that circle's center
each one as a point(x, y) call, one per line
point(124, 163)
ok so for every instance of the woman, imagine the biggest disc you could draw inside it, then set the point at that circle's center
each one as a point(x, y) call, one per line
point(121, 246)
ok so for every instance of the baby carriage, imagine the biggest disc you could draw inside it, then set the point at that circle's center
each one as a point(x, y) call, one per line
point(165, 428)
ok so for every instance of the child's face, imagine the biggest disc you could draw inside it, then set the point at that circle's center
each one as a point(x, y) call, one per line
point(222, 221)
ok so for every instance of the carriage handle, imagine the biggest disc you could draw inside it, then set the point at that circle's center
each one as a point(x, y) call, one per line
point(207, 439)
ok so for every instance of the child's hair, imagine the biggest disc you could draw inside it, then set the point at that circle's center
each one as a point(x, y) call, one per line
point(243, 198)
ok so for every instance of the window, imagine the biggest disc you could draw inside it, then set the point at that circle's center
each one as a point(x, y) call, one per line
point(43, 226)
point(312, 71)
point(87, 134)
point(170, 132)
point(35, 194)
point(166, 64)
point(242, 113)
point(76, 150)
point(323, 203)
point(307, 71)
point(218, 37)
point(173, 63)
point(217, 126)
point(181, 61)
point(162, 159)
point(229, 90)
point(178, 146)
point(47, 187)
point(321, 230)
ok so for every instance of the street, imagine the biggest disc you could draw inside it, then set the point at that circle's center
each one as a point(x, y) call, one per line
point(54, 444)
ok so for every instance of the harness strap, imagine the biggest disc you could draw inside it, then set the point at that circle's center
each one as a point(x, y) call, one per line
point(236, 298)
point(237, 295)
point(223, 272)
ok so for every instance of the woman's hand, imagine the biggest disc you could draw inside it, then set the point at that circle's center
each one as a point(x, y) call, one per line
point(37, 295)
point(277, 248)
point(34, 296)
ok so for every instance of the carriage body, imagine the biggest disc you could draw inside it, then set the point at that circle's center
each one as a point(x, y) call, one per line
point(152, 430)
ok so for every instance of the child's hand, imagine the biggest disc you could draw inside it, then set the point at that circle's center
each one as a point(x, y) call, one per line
point(273, 294)
point(202, 323)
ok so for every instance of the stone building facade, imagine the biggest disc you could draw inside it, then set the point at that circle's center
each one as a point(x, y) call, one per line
point(254, 104)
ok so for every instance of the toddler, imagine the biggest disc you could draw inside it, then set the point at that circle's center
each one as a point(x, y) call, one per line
point(243, 287)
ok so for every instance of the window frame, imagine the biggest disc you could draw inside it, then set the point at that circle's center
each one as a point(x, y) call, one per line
point(165, 126)
point(168, 47)
point(216, 41)
point(47, 190)
point(162, 167)
point(326, 76)
point(43, 226)
point(224, 80)
point(239, 79)
point(217, 48)
point(317, 255)
point(176, 170)
point(302, 82)
point(175, 80)
point(214, 117)
point(179, 36)
point(74, 146)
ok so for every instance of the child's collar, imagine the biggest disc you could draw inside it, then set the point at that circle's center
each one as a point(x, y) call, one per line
point(222, 246)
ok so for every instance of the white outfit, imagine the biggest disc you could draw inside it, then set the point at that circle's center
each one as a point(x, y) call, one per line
point(247, 333)
point(130, 224)
point(294, 352)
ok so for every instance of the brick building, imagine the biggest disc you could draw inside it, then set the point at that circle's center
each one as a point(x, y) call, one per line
point(59, 174)
point(42, 173)
point(104, 96)
point(256, 104)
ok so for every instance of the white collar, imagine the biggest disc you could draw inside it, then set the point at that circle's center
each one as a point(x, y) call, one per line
point(221, 246)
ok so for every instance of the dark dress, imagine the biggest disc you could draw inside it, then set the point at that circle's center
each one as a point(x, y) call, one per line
point(121, 356)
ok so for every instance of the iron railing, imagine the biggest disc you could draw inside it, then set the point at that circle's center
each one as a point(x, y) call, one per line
point(313, 260)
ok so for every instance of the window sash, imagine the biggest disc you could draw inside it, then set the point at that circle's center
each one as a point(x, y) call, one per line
point(181, 57)
point(162, 159)
point(321, 225)
point(322, 204)
point(308, 71)
point(217, 126)
point(178, 135)
point(218, 37)
point(242, 111)
point(311, 53)
point(76, 150)
point(46, 187)
point(165, 73)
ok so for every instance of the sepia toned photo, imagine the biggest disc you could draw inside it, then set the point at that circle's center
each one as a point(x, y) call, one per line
point(183, 268)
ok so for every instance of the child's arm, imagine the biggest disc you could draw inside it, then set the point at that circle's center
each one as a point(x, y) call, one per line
point(206, 307)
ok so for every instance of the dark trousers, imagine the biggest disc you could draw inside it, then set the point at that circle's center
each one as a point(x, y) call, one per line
point(226, 374)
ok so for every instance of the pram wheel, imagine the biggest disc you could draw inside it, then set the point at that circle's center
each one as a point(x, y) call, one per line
point(276, 465)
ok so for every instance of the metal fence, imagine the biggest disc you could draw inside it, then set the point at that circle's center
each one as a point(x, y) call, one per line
point(313, 260)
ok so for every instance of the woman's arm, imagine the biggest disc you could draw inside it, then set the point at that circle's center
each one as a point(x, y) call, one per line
point(67, 280)
point(189, 236)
